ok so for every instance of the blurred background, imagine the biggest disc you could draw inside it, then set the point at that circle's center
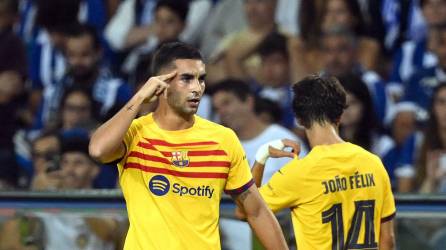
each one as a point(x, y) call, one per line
point(66, 66)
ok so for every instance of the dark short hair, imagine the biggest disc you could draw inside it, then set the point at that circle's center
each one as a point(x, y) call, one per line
point(75, 140)
point(79, 30)
point(235, 86)
point(57, 15)
point(179, 7)
point(265, 105)
point(273, 43)
point(318, 99)
point(170, 52)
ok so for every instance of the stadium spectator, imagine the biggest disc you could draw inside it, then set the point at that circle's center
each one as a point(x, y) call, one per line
point(228, 17)
point(46, 151)
point(85, 69)
point(399, 150)
point(140, 143)
point(47, 64)
point(234, 103)
point(74, 170)
point(76, 110)
point(274, 75)
point(133, 26)
point(415, 54)
point(317, 17)
point(358, 123)
point(340, 57)
point(12, 92)
point(431, 167)
point(11, 46)
point(420, 86)
point(234, 55)
point(309, 186)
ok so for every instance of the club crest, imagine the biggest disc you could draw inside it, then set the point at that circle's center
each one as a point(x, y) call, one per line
point(180, 159)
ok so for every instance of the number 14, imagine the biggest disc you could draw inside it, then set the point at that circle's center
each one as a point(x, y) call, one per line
point(364, 208)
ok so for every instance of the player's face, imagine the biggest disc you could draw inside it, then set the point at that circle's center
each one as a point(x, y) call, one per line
point(230, 109)
point(77, 170)
point(168, 25)
point(81, 55)
point(339, 55)
point(352, 114)
point(187, 87)
point(440, 108)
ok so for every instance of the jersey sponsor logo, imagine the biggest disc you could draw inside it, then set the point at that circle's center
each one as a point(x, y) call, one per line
point(159, 185)
point(180, 159)
point(202, 191)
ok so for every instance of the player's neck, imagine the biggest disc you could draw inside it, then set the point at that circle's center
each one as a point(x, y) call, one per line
point(252, 128)
point(167, 119)
point(325, 134)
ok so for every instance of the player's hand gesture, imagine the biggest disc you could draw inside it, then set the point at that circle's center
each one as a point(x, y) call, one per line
point(282, 152)
point(277, 149)
point(155, 86)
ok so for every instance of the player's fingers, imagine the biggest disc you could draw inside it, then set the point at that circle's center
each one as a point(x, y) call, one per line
point(168, 76)
point(292, 144)
point(161, 88)
point(277, 153)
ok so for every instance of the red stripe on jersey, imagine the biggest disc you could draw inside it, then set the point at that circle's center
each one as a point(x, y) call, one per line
point(149, 157)
point(175, 173)
point(206, 153)
point(140, 155)
point(225, 164)
point(189, 153)
point(169, 144)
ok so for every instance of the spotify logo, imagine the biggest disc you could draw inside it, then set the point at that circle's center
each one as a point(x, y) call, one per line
point(159, 185)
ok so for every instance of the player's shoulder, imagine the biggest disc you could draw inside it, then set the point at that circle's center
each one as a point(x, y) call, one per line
point(208, 126)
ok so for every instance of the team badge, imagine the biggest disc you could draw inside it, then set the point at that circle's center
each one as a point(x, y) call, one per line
point(180, 159)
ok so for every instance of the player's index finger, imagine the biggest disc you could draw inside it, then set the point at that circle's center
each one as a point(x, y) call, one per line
point(168, 76)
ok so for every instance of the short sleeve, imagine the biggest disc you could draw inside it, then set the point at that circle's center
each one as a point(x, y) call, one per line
point(128, 138)
point(388, 209)
point(285, 188)
point(239, 176)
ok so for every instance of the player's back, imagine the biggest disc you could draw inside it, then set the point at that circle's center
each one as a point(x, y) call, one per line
point(338, 194)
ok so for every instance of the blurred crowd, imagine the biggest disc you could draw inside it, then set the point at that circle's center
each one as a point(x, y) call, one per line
point(67, 66)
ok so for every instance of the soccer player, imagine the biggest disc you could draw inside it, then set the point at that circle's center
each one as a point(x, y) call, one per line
point(174, 166)
point(339, 194)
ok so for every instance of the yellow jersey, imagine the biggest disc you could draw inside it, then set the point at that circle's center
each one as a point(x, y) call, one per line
point(338, 194)
point(172, 182)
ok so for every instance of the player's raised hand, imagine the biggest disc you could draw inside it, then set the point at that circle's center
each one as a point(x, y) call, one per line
point(155, 86)
point(277, 152)
point(277, 149)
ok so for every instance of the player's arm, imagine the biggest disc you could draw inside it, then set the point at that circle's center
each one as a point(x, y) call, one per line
point(107, 142)
point(274, 149)
point(387, 236)
point(261, 219)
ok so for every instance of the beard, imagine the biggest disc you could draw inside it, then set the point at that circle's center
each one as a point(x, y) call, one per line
point(180, 104)
point(82, 74)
